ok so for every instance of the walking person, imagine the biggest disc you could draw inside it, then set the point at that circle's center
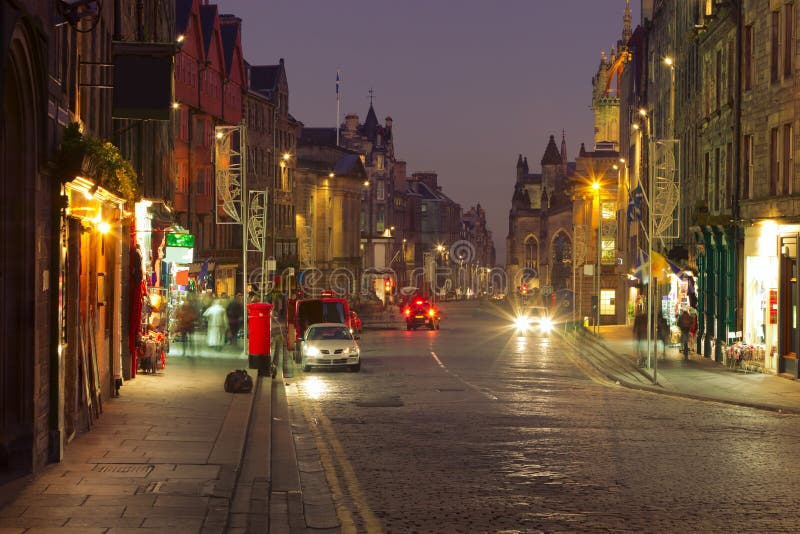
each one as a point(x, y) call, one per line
point(234, 311)
point(185, 318)
point(662, 333)
point(640, 333)
point(217, 325)
point(685, 323)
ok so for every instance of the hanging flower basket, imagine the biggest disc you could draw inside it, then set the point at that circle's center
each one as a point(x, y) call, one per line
point(83, 155)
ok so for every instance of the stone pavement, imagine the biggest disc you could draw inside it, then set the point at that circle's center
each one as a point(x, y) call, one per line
point(699, 377)
point(165, 455)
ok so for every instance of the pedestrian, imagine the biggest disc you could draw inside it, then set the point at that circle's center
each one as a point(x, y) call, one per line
point(685, 323)
point(217, 324)
point(662, 333)
point(185, 318)
point(640, 333)
point(234, 311)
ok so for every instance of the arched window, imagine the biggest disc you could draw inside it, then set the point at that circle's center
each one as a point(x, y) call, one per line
point(531, 250)
point(562, 261)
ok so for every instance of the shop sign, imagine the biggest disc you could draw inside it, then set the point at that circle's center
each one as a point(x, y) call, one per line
point(181, 255)
point(180, 240)
point(773, 306)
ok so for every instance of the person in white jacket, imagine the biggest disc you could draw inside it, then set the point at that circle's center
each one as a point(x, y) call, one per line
point(217, 324)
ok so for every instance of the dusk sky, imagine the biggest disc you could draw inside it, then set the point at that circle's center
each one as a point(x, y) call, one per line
point(470, 84)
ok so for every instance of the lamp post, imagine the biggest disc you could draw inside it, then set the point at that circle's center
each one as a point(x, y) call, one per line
point(596, 189)
point(648, 198)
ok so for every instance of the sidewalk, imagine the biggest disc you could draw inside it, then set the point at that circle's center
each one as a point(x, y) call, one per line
point(703, 378)
point(165, 455)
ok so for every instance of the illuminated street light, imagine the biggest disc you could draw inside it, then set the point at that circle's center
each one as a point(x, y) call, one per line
point(103, 227)
point(331, 175)
point(180, 38)
point(643, 112)
point(220, 135)
point(668, 61)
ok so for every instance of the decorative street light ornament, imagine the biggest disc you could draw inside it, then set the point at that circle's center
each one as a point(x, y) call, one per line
point(256, 220)
point(228, 174)
point(667, 190)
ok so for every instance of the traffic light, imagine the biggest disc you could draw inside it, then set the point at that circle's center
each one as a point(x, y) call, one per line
point(387, 285)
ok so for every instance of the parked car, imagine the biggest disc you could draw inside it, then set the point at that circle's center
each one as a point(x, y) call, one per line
point(329, 345)
point(355, 322)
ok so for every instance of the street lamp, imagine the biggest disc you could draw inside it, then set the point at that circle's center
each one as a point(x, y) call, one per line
point(649, 237)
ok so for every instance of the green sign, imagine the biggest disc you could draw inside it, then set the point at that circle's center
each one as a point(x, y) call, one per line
point(180, 240)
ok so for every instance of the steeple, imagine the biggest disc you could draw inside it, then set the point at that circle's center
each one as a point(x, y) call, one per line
point(626, 23)
point(520, 172)
point(371, 123)
point(564, 152)
point(525, 165)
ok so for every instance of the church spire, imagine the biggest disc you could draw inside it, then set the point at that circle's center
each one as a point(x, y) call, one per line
point(564, 152)
point(626, 24)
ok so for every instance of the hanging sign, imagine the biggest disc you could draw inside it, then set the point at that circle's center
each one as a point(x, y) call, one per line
point(773, 306)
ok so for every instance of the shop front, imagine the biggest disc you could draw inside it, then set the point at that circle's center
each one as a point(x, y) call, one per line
point(715, 248)
point(761, 296)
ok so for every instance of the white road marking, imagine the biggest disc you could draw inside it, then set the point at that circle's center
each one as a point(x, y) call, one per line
point(455, 375)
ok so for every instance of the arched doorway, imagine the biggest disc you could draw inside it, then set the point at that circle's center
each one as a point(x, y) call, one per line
point(19, 141)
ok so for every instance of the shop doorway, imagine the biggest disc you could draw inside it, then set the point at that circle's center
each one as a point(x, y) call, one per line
point(789, 339)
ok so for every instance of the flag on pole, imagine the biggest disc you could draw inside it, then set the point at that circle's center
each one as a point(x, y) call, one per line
point(662, 267)
point(337, 84)
point(635, 199)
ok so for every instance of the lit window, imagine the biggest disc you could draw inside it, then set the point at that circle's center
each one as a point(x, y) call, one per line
point(607, 302)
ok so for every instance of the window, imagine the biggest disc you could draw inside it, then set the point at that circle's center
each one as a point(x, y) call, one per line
point(379, 161)
point(747, 167)
point(531, 254)
point(607, 302)
point(380, 193)
point(707, 177)
point(731, 69)
point(788, 39)
point(608, 242)
point(718, 80)
point(380, 219)
point(716, 191)
point(727, 188)
point(773, 162)
point(774, 46)
point(747, 60)
point(786, 160)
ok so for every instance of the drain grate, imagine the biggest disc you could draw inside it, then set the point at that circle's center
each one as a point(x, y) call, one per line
point(128, 469)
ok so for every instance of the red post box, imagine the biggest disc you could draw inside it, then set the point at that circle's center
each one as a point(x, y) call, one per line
point(258, 333)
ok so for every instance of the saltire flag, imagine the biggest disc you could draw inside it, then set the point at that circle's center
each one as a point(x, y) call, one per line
point(635, 199)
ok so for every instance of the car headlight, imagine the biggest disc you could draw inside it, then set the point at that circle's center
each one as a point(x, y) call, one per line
point(522, 323)
point(546, 325)
point(312, 352)
point(353, 350)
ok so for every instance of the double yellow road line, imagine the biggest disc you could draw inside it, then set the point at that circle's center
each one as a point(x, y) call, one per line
point(336, 464)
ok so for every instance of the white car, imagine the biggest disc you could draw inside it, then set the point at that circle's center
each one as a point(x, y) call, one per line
point(330, 345)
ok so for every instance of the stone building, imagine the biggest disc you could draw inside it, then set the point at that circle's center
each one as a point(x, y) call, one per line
point(539, 245)
point(375, 143)
point(271, 81)
point(478, 256)
point(769, 212)
point(330, 181)
point(65, 220)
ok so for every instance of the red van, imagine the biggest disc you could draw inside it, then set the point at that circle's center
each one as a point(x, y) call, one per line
point(302, 313)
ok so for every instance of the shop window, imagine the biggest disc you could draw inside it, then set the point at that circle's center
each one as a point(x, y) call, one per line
point(608, 302)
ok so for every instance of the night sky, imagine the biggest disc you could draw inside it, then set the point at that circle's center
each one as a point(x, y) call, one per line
point(470, 84)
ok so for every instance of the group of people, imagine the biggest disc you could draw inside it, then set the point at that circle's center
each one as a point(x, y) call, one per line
point(686, 320)
point(224, 319)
